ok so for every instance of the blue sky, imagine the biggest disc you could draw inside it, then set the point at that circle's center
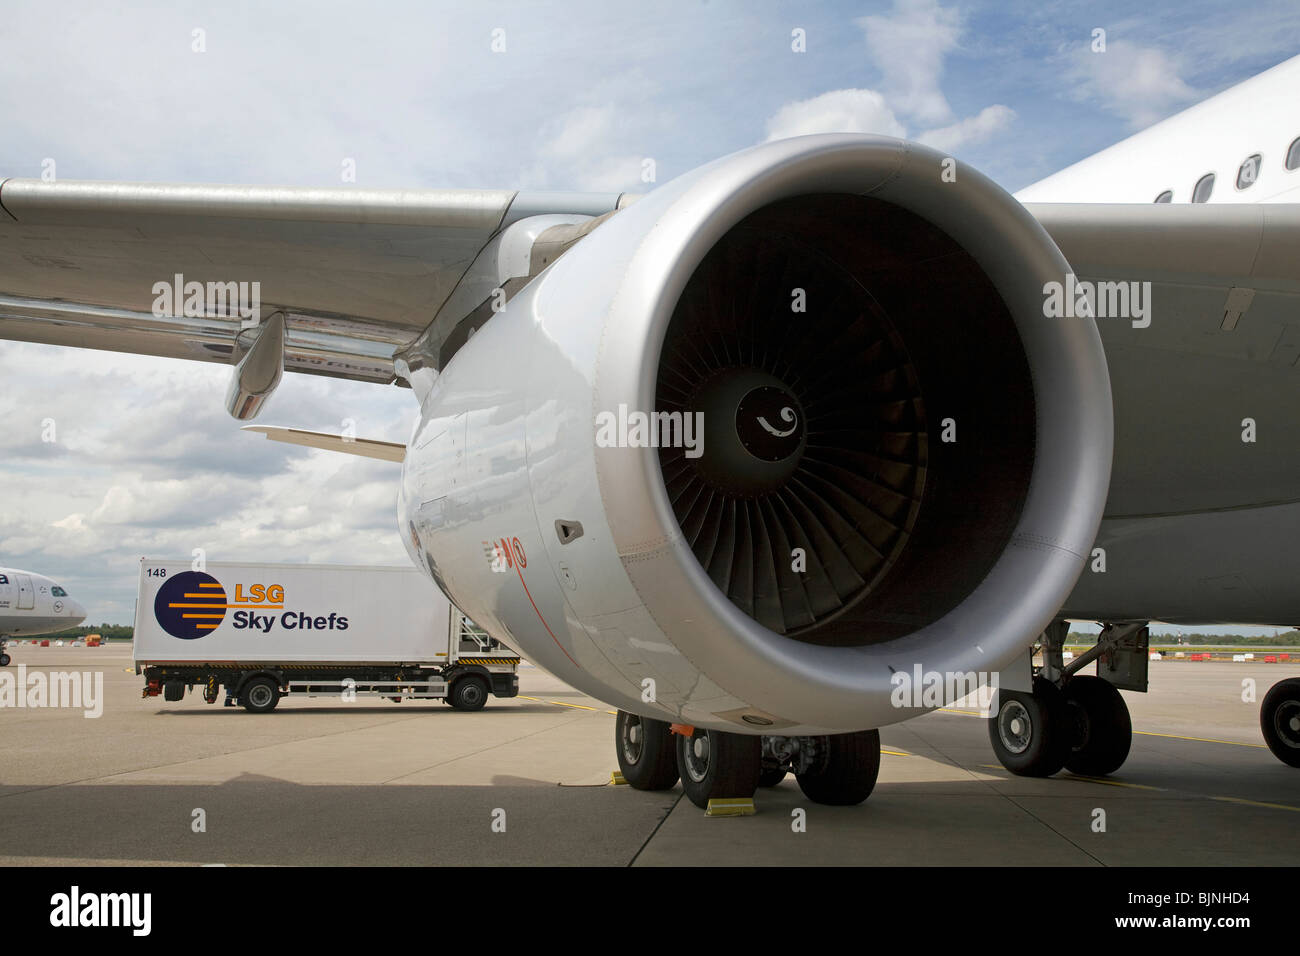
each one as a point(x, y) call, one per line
point(413, 94)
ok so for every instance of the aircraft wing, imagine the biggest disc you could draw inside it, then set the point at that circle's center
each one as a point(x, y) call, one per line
point(1225, 277)
point(358, 273)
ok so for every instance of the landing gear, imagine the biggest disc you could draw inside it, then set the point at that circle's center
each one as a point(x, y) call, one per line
point(1102, 731)
point(843, 773)
point(4, 658)
point(647, 757)
point(1073, 720)
point(833, 769)
point(1030, 732)
point(1279, 719)
point(714, 764)
point(771, 776)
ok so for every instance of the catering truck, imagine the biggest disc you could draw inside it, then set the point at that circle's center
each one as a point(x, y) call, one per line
point(267, 631)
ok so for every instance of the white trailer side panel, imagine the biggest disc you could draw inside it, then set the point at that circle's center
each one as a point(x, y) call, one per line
point(288, 613)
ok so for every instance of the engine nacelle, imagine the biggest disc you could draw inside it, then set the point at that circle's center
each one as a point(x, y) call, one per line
point(789, 425)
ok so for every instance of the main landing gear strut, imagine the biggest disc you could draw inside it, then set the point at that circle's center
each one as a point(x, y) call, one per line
point(1072, 720)
point(1081, 723)
point(837, 769)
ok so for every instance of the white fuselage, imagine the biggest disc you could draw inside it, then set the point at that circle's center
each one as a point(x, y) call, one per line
point(1259, 117)
point(32, 604)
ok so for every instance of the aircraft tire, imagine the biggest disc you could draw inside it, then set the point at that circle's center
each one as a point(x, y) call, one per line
point(848, 774)
point(1279, 719)
point(713, 764)
point(771, 777)
point(4, 660)
point(646, 755)
point(1103, 729)
point(1030, 733)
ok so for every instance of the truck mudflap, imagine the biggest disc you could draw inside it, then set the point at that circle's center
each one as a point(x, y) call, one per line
point(505, 685)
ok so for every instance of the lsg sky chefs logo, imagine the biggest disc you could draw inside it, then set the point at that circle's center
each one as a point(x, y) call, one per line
point(194, 603)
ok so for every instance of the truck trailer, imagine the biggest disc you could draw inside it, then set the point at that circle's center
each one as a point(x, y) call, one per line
point(267, 631)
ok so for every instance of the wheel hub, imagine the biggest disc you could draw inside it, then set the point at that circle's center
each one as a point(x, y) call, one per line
point(697, 757)
point(632, 740)
point(1015, 728)
point(1287, 722)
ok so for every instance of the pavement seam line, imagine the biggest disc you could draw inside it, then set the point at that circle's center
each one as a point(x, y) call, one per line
point(662, 820)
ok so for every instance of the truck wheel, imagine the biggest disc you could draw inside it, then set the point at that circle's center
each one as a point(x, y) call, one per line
point(469, 693)
point(173, 691)
point(647, 757)
point(260, 695)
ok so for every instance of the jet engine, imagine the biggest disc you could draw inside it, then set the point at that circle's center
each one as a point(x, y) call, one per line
point(787, 427)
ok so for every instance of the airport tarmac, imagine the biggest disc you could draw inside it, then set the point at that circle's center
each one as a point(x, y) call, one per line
point(375, 782)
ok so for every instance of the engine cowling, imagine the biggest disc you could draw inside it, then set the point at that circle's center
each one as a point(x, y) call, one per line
point(882, 454)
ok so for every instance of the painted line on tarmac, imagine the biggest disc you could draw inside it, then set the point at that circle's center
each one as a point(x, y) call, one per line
point(560, 703)
point(1141, 786)
point(1082, 779)
point(1208, 740)
point(1112, 783)
point(1257, 803)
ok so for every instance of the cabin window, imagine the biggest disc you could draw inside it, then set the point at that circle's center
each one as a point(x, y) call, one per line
point(1249, 171)
point(1204, 186)
point(1293, 154)
point(1166, 196)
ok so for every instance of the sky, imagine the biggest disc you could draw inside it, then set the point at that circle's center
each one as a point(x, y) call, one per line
point(535, 95)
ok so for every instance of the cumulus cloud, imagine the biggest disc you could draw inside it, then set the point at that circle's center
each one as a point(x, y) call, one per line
point(909, 46)
point(973, 129)
point(153, 466)
point(839, 111)
point(1139, 83)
